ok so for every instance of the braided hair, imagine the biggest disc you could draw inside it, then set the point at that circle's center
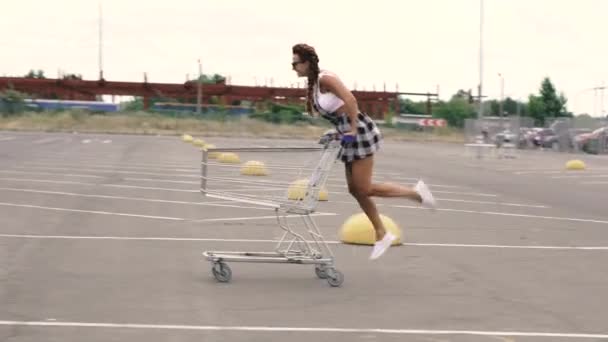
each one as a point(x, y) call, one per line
point(308, 53)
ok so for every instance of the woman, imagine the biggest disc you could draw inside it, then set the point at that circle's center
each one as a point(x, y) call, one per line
point(361, 138)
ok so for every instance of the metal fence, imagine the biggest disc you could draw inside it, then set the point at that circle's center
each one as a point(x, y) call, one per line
point(572, 135)
point(578, 135)
point(496, 130)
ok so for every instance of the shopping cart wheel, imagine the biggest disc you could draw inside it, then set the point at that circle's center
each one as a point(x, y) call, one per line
point(221, 272)
point(321, 271)
point(334, 277)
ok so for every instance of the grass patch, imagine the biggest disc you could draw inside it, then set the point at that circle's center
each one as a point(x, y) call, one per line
point(439, 134)
point(156, 124)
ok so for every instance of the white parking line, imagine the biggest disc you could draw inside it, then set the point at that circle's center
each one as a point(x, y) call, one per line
point(80, 169)
point(477, 194)
point(341, 182)
point(595, 183)
point(258, 217)
point(474, 194)
point(50, 174)
point(141, 199)
point(244, 188)
point(462, 201)
point(128, 238)
point(395, 179)
point(196, 175)
point(221, 219)
point(548, 172)
point(413, 244)
point(6, 138)
point(581, 176)
point(91, 163)
point(148, 188)
point(46, 140)
point(34, 165)
point(395, 206)
point(93, 184)
point(90, 211)
point(160, 180)
point(283, 329)
point(539, 172)
point(572, 248)
point(494, 203)
point(557, 218)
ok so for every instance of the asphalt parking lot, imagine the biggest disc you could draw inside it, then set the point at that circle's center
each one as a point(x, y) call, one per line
point(101, 239)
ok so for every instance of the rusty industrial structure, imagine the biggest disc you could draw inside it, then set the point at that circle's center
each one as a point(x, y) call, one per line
point(376, 103)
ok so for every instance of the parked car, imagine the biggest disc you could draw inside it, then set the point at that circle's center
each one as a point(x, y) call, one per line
point(543, 137)
point(561, 141)
point(506, 136)
point(594, 142)
point(527, 135)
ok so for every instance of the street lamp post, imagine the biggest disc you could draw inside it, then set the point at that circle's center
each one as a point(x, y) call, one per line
point(501, 103)
point(502, 94)
point(199, 89)
point(480, 112)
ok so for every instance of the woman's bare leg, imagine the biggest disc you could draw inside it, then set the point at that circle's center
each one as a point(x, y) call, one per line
point(394, 190)
point(359, 179)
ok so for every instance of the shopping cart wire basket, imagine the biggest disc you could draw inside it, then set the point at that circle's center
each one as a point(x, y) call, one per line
point(289, 180)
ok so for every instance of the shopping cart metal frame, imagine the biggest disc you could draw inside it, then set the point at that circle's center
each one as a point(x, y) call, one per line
point(292, 248)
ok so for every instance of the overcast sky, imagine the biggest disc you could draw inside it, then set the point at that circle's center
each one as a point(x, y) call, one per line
point(419, 44)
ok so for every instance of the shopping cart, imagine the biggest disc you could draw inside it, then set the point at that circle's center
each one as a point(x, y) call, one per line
point(290, 187)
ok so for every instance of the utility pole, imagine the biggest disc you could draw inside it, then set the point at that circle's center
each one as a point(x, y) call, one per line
point(502, 95)
point(601, 90)
point(100, 46)
point(502, 100)
point(519, 107)
point(602, 99)
point(199, 88)
point(480, 113)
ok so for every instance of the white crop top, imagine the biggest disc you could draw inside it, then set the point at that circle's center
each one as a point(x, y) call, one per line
point(327, 102)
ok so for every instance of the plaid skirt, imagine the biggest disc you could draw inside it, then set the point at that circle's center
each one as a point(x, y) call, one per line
point(368, 136)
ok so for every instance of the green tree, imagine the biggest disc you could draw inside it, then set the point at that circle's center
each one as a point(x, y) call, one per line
point(455, 111)
point(212, 79)
point(35, 74)
point(281, 113)
point(12, 102)
point(134, 105)
point(461, 94)
point(554, 105)
point(410, 107)
point(547, 104)
point(536, 109)
point(72, 76)
point(493, 106)
point(510, 106)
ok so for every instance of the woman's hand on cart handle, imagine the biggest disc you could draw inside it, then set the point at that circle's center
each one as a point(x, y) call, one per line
point(349, 138)
point(328, 136)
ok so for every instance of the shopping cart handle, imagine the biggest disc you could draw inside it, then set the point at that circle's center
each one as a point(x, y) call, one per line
point(328, 136)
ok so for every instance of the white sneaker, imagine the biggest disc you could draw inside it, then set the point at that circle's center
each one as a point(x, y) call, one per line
point(427, 198)
point(381, 246)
